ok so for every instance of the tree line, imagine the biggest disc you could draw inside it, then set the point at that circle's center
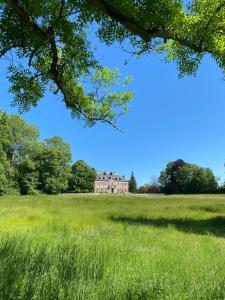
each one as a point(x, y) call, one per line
point(180, 177)
point(31, 166)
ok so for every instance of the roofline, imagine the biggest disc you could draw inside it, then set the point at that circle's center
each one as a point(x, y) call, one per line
point(112, 179)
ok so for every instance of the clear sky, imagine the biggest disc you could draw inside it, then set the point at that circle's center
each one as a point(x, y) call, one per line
point(169, 118)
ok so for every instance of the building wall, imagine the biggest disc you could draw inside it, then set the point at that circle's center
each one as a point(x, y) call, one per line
point(111, 186)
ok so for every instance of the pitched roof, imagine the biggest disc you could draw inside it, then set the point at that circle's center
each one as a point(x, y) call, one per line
point(110, 176)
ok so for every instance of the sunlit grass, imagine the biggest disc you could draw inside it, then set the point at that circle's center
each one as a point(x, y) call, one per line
point(111, 247)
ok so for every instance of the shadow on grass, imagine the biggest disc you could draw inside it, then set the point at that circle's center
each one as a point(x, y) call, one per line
point(210, 209)
point(213, 226)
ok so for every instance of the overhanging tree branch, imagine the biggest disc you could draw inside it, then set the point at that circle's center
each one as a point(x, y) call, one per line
point(48, 36)
point(136, 28)
point(26, 18)
point(119, 16)
point(5, 50)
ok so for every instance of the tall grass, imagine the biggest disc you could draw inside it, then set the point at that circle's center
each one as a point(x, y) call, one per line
point(84, 247)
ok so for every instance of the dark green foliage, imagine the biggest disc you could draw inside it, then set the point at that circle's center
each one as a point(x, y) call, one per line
point(168, 178)
point(152, 188)
point(6, 174)
point(143, 189)
point(132, 184)
point(82, 178)
point(30, 166)
point(28, 176)
point(17, 138)
point(184, 178)
point(52, 163)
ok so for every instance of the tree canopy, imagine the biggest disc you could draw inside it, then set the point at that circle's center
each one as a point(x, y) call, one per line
point(16, 140)
point(52, 163)
point(180, 177)
point(27, 165)
point(132, 184)
point(51, 43)
point(82, 178)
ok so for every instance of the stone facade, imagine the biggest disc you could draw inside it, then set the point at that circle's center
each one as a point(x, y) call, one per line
point(111, 183)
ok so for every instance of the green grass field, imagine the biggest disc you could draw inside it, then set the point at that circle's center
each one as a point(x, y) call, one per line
point(111, 247)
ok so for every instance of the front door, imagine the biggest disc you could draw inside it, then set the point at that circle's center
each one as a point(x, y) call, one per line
point(112, 190)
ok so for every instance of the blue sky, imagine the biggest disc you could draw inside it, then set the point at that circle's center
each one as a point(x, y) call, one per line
point(169, 118)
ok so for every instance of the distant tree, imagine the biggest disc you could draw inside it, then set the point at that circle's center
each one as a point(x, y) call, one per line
point(154, 187)
point(28, 175)
point(30, 166)
point(193, 179)
point(52, 163)
point(221, 188)
point(8, 184)
point(16, 138)
point(184, 178)
point(82, 178)
point(46, 168)
point(143, 189)
point(168, 178)
point(132, 184)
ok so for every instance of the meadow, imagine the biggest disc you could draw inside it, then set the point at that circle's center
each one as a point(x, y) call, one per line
point(112, 247)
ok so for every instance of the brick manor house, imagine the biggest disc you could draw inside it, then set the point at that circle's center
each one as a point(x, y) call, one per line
point(111, 183)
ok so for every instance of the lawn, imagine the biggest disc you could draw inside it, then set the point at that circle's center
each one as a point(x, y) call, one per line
point(112, 247)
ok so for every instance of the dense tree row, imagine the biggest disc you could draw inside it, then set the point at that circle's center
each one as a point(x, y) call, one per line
point(29, 166)
point(150, 188)
point(181, 177)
